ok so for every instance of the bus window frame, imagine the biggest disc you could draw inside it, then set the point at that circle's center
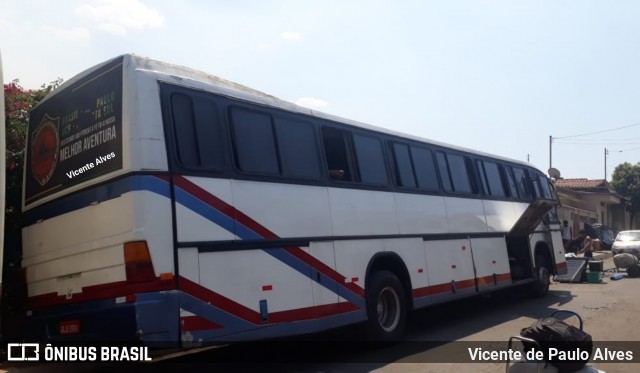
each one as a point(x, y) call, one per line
point(387, 141)
point(391, 143)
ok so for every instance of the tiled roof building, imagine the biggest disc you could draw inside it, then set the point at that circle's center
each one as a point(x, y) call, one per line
point(591, 201)
point(583, 184)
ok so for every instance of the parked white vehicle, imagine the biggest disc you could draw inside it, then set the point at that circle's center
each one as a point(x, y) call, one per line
point(627, 242)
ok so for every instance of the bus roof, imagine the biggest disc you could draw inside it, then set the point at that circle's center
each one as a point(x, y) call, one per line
point(210, 82)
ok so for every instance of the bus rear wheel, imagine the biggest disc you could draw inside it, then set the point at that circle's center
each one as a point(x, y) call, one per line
point(386, 306)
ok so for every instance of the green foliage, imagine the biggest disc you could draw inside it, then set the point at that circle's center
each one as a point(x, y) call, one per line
point(626, 182)
point(18, 105)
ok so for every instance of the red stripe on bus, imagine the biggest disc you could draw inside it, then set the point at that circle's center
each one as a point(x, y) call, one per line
point(222, 206)
point(97, 292)
point(464, 284)
point(488, 280)
point(485, 280)
point(431, 290)
point(310, 313)
point(195, 323)
point(245, 220)
point(247, 314)
point(219, 301)
point(325, 269)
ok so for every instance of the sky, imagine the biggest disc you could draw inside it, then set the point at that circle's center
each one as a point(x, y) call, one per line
point(495, 76)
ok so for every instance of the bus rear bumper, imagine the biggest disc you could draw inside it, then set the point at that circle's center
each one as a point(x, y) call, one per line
point(151, 318)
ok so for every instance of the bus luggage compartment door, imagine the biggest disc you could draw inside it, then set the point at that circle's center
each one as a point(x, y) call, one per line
point(518, 246)
point(532, 216)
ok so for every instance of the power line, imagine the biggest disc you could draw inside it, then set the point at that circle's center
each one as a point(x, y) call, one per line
point(630, 139)
point(595, 133)
point(626, 150)
point(629, 142)
point(608, 143)
point(551, 139)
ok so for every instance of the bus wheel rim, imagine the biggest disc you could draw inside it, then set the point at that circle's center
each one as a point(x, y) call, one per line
point(388, 309)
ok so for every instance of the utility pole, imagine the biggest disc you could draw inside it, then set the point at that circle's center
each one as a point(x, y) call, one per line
point(606, 152)
point(550, 153)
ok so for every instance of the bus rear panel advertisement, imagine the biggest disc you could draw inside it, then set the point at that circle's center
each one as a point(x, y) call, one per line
point(76, 134)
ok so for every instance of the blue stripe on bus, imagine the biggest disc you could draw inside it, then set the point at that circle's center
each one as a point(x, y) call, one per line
point(160, 186)
point(306, 270)
point(207, 211)
point(100, 193)
point(204, 210)
point(280, 330)
point(214, 314)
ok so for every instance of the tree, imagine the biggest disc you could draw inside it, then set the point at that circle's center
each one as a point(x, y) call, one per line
point(626, 182)
point(18, 105)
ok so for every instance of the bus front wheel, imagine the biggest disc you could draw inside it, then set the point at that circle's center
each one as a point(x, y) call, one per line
point(540, 287)
point(386, 306)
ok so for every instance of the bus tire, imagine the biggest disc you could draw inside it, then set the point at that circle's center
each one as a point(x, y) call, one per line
point(540, 288)
point(386, 306)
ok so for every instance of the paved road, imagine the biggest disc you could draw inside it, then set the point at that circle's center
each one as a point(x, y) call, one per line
point(610, 311)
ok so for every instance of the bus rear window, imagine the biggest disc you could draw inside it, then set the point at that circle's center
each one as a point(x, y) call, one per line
point(198, 132)
point(76, 134)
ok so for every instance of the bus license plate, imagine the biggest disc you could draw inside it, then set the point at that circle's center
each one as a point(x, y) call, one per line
point(69, 327)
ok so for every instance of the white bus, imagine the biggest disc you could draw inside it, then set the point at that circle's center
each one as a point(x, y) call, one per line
point(163, 204)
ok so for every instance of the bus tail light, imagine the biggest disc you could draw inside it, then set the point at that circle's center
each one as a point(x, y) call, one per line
point(137, 262)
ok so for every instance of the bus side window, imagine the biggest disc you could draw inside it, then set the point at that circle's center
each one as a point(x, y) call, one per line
point(545, 186)
point(522, 182)
point(513, 189)
point(552, 189)
point(198, 132)
point(255, 147)
point(494, 179)
point(454, 172)
point(414, 167)
point(371, 162)
point(483, 177)
point(403, 166)
point(336, 150)
point(534, 182)
point(459, 173)
point(297, 148)
point(443, 169)
point(425, 169)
